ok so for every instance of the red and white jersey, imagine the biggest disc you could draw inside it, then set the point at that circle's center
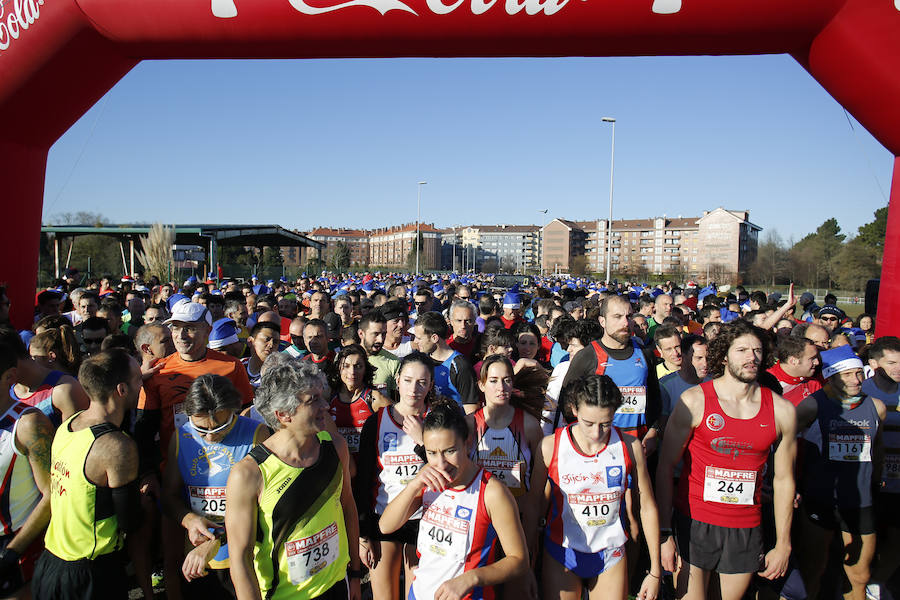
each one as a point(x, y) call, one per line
point(586, 493)
point(19, 493)
point(350, 418)
point(398, 463)
point(724, 462)
point(502, 451)
point(455, 536)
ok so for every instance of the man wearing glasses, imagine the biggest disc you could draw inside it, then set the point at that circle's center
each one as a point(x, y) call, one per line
point(830, 318)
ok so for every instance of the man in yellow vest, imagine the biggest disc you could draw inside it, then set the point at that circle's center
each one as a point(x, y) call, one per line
point(294, 489)
point(94, 497)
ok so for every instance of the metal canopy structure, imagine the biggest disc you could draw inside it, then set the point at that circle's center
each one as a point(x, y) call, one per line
point(206, 236)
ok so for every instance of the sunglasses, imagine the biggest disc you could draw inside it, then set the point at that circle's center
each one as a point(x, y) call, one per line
point(203, 431)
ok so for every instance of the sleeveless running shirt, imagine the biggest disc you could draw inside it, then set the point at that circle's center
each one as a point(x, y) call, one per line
point(724, 463)
point(586, 493)
point(890, 473)
point(455, 536)
point(502, 453)
point(301, 549)
point(19, 493)
point(397, 463)
point(85, 524)
point(350, 418)
point(42, 397)
point(443, 382)
point(837, 461)
point(630, 375)
point(205, 466)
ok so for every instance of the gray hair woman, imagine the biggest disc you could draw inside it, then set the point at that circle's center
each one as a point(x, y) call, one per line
point(280, 387)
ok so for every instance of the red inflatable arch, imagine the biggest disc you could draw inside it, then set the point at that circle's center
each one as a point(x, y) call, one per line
point(58, 57)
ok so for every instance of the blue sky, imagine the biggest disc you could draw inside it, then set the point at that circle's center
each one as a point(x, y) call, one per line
point(343, 142)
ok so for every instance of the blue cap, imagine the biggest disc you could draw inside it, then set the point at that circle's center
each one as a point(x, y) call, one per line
point(224, 332)
point(839, 359)
point(173, 300)
point(512, 299)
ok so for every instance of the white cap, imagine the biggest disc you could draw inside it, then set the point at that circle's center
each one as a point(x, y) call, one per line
point(189, 312)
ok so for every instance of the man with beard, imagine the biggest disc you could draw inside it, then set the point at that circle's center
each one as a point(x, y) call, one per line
point(629, 366)
point(372, 331)
point(724, 430)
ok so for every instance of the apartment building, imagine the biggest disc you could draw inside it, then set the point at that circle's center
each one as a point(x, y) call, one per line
point(356, 240)
point(721, 243)
point(390, 246)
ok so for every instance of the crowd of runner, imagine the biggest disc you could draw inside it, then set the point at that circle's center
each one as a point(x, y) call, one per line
point(392, 437)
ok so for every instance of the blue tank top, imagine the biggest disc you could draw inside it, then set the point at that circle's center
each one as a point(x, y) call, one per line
point(205, 467)
point(442, 382)
point(630, 375)
point(837, 460)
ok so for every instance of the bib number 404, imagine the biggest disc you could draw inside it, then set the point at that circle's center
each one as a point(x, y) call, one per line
point(440, 536)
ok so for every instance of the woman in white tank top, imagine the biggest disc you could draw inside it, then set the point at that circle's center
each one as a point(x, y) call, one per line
point(506, 437)
point(466, 512)
point(590, 466)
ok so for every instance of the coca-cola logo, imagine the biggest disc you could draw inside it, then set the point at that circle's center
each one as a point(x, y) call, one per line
point(226, 9)
point(22, 15)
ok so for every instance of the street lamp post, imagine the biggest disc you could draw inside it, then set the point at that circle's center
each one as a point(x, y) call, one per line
point(418, 216)
point(453, 262)
point(612, 165)
point(542, 239)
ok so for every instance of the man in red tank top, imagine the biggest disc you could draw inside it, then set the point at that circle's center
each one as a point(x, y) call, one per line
point(728, 427)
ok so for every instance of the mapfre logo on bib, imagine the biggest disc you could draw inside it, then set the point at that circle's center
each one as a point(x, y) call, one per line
point(715, 422)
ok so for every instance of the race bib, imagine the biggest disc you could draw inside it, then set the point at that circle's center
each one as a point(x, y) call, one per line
point(400, 468)
point(595, 510)
point(447, 534)
point(728, 486)
point(352, 436)
point(510, 472)
point(207, 501)
point(634, 400)
point(856, 447)
point(178, 415)
point(308, 556)
point(891, 468)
